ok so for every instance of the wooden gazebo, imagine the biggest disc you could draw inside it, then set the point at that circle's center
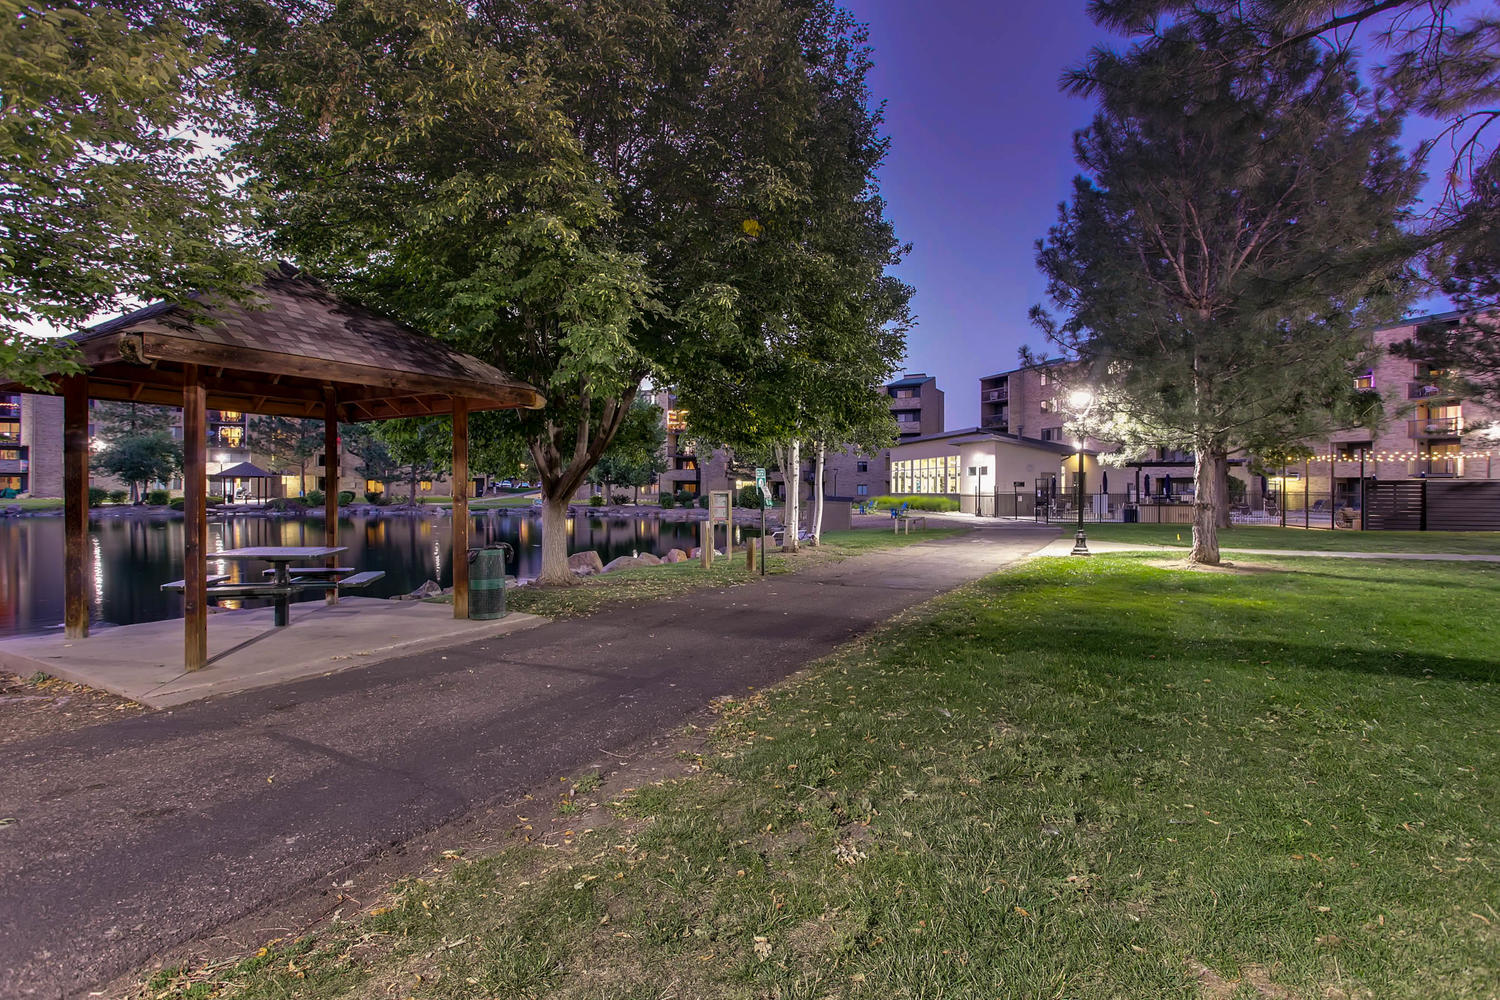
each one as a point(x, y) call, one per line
point(294, 349)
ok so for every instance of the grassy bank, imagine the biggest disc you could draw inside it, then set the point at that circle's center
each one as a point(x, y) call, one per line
point(655, 582)
point(1084, 778)
point(1304, 540)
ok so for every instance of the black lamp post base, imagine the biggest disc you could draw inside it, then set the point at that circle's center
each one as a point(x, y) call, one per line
point(1080, 544)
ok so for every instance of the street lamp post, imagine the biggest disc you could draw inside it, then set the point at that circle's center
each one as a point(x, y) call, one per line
point(1080, 400)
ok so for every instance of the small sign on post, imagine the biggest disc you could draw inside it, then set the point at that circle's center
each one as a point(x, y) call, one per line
point(719, 512)
point(765, 503)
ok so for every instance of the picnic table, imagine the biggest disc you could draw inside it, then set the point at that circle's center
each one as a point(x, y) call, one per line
point(286, 579)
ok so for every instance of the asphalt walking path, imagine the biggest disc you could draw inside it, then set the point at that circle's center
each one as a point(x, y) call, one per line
point(134, 836)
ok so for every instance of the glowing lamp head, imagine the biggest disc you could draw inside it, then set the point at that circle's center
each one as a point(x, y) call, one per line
point(1080, 399)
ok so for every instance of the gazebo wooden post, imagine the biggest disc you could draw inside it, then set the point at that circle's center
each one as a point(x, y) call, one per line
point(195, 521)
point(331, 479)
point(460, 508)
point(75, 505)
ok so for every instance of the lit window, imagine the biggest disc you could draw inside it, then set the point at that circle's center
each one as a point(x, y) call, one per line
point(677, 420)
point(1365, 381)
point(425, 486)
point(374, 486)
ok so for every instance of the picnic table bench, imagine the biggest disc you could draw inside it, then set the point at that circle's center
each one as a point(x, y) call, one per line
point(285, 579)
point(901, 520)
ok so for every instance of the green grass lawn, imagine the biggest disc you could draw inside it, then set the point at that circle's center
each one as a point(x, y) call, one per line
point(1099, 778)
point(1295, 539)
point(33, 503)
point(654, 582)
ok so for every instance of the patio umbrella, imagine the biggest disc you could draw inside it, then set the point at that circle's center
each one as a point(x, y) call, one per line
point(1166, 485)
point(1104, 482)
point(1147, 488)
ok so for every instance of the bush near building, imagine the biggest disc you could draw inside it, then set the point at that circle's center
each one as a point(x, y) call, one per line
point(934, 504)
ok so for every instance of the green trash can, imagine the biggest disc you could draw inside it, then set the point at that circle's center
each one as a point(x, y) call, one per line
point(487, 581)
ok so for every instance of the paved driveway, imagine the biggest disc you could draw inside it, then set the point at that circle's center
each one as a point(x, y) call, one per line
point(136, 835)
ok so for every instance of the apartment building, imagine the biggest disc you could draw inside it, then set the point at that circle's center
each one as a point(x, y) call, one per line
point(1428, 432)
point(916, 405)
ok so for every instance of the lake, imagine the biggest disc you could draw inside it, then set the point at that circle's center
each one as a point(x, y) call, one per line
point(131, 557)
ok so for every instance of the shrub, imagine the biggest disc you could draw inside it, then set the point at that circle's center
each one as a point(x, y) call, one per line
point(158, 498)
point(97, 496)
point(935, 504)
point(213, 500)
point(703, 501)
point(668, 501)
point(378, 499)
point(686, 497)
point(178, 504)
point(118, 496)
point(346, 497)
point(276, 503)
point(620, 499)
point(596, 500)
point(748, 496)
point(315, 498)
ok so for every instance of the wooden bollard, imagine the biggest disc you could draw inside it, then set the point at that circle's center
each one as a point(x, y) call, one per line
point(706, 544)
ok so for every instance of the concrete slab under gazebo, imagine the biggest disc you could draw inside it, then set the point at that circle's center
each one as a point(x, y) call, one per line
point(292, 348)
point(229, 480)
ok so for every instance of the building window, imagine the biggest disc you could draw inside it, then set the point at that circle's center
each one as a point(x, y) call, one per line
point(1365, 381)
point(1049, 406)
point(374, 486)
point(906, 393)
point(677, 420)
point(1052, 433)
point(425, 486)
point(862, 490)
point(926, 475)
point(1350, 451)
point(861, 466)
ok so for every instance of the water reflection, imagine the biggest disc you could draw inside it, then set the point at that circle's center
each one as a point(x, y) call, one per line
point(131, 557)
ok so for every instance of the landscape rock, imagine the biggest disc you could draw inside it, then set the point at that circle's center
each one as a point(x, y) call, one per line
point(585, 563)
point(675, 556)
point(632, 562)
point(429, 589)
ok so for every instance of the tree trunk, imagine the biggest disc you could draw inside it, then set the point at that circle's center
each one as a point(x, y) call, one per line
point(817, 499)
point(791, 470)
point(1224, 522)
point(1207, 502)
point(555, 571)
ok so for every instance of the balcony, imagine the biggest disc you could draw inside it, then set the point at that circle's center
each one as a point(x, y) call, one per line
point(1424, 390)
point(995, 395)
point(1435, 427)
point(1437, 468)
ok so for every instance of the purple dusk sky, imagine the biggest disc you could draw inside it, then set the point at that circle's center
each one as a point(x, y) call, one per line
point(981, 155)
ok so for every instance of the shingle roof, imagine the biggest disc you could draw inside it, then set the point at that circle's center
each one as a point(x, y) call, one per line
point(282, 350)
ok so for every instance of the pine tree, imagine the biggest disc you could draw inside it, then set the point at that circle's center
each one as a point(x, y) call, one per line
point(1237, 230)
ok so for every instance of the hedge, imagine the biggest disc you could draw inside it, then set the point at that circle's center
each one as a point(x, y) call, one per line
point(936, 504)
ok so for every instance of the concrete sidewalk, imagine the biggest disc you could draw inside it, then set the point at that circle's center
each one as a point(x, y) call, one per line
point(1064, 546)
point(245, 650)
point(140, 834)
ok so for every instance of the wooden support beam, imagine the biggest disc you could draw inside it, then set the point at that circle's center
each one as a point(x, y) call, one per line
point(195, 522)
point(460, 508)
point(75, 506)
point(331, 479)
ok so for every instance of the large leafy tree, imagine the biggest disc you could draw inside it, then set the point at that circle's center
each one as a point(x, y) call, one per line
point(1440, 58)
point(110, 189)
point(140, 458)
point(637, 456)
point(584, 193)
point(1231, 239)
